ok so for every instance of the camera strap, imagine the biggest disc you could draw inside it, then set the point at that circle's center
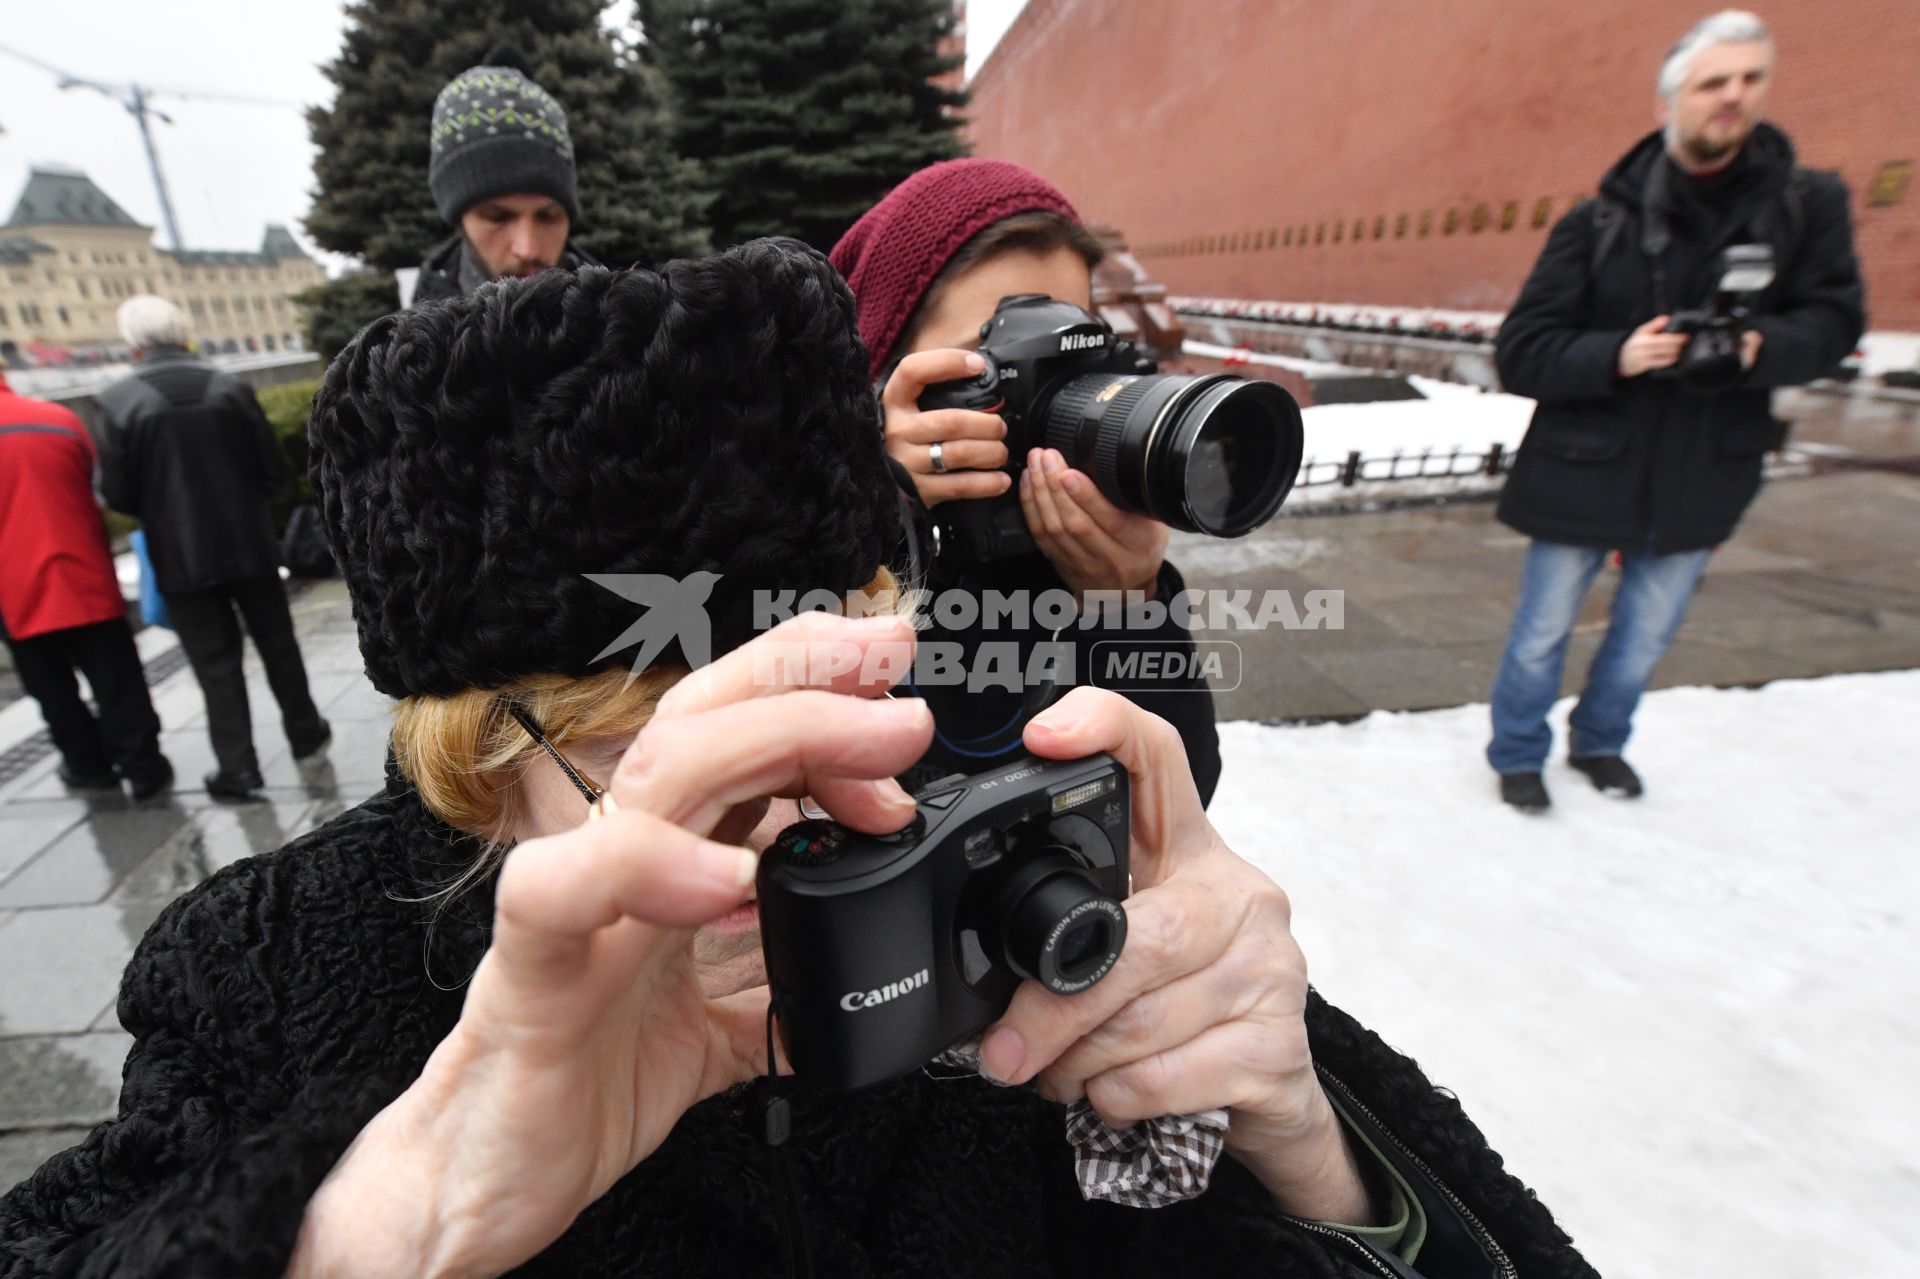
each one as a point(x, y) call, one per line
point(1656, 233)
point(776, 1128)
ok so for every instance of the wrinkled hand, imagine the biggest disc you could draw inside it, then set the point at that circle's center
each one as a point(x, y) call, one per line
point(586, 1033)
point(1091, 543)
point(1206, 1005)
point(1651, 347)
point(972, 447)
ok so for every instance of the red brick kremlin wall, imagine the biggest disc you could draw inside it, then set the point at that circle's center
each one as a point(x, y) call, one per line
point(1412, 152)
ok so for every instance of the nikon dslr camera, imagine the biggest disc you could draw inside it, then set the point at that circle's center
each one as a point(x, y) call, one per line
point(1711, 361)
point(883, 951)
point(1214, 454)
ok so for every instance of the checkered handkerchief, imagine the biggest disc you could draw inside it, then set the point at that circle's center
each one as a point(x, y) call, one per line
point(1151, 1164)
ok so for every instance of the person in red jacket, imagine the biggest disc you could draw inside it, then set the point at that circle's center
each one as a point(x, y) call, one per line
point(61, 603)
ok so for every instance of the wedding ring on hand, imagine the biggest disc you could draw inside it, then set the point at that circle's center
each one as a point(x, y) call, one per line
point(939, 463)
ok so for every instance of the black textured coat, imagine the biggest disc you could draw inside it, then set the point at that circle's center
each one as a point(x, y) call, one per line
point(186, 449)
point(282, 1003)
point(1642, 463)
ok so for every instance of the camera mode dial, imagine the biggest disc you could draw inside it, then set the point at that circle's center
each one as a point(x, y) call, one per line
point(814, 842)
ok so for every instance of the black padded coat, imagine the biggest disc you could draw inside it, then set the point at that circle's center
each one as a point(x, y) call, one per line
point(1642, 464)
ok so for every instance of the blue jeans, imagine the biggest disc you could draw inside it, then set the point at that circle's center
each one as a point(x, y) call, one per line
point(1648, 608)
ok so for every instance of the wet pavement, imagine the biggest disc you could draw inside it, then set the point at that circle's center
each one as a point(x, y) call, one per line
point(1824, 576)
point(83, 875)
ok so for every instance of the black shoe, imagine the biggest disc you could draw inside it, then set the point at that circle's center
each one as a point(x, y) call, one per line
point(312, 745)
point(1609, 774)
point(236, 788)
point(89, 779)
point(1525, 791)
point(150, 781)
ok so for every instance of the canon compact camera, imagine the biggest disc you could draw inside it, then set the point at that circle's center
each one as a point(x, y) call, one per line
point(883, 951)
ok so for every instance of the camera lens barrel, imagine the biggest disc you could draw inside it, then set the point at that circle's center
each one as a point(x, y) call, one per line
point(1212, 454)
point(1056, 926)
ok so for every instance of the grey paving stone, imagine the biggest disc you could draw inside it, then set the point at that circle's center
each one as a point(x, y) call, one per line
point(216, 837)
point(178, 702)
point(83, 865)
point(63, 966)
point(60, 1079)
point(1447, 619)
point(24, 834)
point(41, 781)
point(1286, 687)
point(359, 699)
point(1404, 678)
point(22, 1152)
point(358, 752)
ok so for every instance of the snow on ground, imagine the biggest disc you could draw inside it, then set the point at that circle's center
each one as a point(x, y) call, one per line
point(1687, 1021)
point(1883, 352)
point(1452, 416)
point(1880, 351)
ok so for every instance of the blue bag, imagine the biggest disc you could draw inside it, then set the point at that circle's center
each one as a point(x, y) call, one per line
point(153, 606)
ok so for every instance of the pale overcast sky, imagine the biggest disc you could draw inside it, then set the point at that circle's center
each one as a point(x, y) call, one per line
point(232, 168)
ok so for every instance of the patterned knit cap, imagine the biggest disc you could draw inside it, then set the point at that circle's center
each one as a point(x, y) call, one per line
point(892, 254)
point(496, 132)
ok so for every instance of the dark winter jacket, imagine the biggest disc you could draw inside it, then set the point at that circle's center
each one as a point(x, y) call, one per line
point(442, 275)
point(56, 570)
point(281, 1004)
point(187, 451)
point(1641, 463)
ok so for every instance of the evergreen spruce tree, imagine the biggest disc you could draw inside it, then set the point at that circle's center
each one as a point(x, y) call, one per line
point(332, 312)
point(637, 198)
point(803, 113)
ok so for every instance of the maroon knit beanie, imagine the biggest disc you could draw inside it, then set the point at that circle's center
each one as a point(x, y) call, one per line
point(893, 252)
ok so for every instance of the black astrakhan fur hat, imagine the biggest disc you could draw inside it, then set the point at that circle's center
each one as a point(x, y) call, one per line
point(476, 458)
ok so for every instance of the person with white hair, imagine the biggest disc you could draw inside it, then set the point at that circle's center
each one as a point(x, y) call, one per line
point(186, 449)
point(1655, 325)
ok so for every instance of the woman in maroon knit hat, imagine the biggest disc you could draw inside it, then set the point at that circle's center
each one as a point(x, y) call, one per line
point(928, 265)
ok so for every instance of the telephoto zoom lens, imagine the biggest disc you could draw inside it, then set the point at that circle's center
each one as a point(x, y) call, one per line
point(1214, 454)
point(1055, 926)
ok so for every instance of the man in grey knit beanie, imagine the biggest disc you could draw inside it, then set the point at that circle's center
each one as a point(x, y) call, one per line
point(502, 174)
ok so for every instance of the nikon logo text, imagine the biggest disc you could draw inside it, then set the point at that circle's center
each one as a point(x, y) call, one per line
point(854, 1000)
point(1081, 341)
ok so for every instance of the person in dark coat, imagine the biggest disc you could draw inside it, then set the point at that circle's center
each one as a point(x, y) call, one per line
point(1623, 455)
point(187, 451)
point(61, 609)
point(507, 1016)
point(928, 265)
point(502, 175)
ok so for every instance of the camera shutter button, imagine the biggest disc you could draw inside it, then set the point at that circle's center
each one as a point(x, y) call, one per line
point(906, 834)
